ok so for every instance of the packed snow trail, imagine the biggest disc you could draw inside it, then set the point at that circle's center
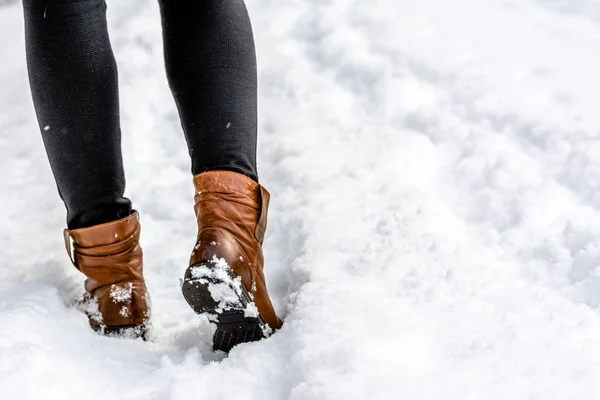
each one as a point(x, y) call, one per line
point(434, 169)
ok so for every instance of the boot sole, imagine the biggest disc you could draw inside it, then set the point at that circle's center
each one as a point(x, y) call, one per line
point(233, 323)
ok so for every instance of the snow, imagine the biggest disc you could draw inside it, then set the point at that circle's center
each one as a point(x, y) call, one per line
point(224, 290)
point(124, 312)
point(121, 293)
point(252, 312)
point(89, 306)
point(433, 167)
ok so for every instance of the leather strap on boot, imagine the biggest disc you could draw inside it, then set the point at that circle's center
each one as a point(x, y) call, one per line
point(111, 258)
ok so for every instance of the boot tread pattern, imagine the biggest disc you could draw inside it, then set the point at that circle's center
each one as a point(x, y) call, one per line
point(230, 311)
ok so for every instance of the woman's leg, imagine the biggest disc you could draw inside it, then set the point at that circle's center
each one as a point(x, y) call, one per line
point(73, 79)
point(211, 67)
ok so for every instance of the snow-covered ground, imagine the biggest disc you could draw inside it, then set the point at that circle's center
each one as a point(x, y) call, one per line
point(435, 176)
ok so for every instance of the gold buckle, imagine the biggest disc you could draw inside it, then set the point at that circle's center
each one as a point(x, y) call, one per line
point(69, 245)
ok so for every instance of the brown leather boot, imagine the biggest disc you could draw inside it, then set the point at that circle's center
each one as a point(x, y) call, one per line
point(225, 278)
point(111, 257)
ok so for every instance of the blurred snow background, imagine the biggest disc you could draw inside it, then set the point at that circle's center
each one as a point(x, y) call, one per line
point(435, 176)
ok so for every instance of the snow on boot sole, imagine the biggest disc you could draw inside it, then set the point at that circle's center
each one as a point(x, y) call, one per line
point(213, 289)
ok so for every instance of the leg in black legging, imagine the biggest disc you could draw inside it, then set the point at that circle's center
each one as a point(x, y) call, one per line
point(73, 79)
point(211, 67)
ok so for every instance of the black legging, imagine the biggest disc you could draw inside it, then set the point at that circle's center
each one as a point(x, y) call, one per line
point(211, 67)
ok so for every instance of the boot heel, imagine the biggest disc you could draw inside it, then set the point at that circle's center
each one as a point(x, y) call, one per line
point(213, 289)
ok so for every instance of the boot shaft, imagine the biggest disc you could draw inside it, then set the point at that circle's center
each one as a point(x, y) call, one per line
point(231, 211)
point(110, 256)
